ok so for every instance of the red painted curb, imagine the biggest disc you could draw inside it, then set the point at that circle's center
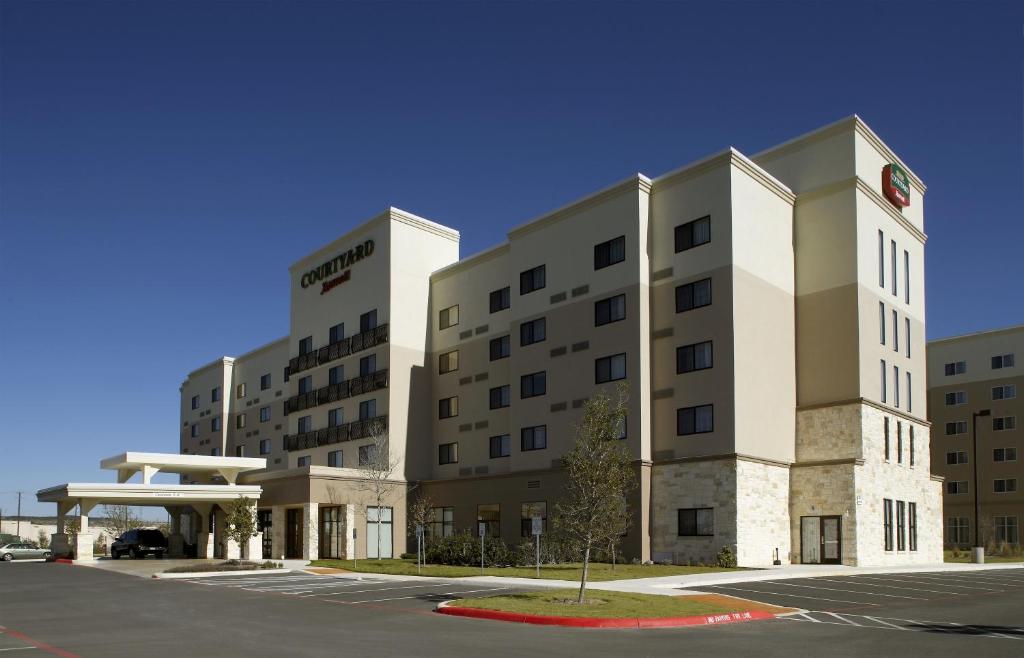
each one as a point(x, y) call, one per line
point(64, 560)
point(603, 622)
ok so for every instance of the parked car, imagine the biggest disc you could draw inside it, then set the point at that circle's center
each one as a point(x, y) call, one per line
point(22, 550)
point(139, 544)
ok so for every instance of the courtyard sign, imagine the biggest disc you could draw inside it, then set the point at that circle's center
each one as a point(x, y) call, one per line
point(896, 185)
point(340, 263)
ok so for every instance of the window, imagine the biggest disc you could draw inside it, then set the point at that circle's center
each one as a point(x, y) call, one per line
point(305, 424)
point(901, 525)
point(998, 362)
point(500, 299)
point(448, 407)
point(885, 435)
point(449, 317)
point(526, 513)
point(490, 515)
point(955, 368)
point(956, 487)
point(693, 295)
point(336, 417)
point(893, 262)
point(881, 322)
point(500, 397)
point(367, 455)
point(694, 357)
point(610, 252)
point(215, 424)
point(240, 451)
point(956, 457)
point(368, 365)
point(532, 332)
point(533, 385)
point(442, 522)
point(335, 459)
point(215, 395)
point(958, 427)
point(896, 386)
point(264, 414)
point(533, 279)
point(500, 347)
point(368, 321)
point(899, 442)
point(884, 372)
point(336, 333)
point(693, 234)
point(500, 446)
point(697, 522)
point(887, 523)
point(306, 345)
point(302, 461)
point(910, 392)
point(1006, 529)
point(957, 530)
point(1004, 485)
point(239, 421)
point(448, 362)
point(1004, 454)
point(695, 420)
point(906, 286)
point(881, 259)
point(194, 430)
point(895, 332)
point(1004, 423)
point(906, 334)
point(195, 401)
point(912, 526)
point(912, 447)
point(215, 452)
point(367, 409)
point(1005, 392)
point(956, 397)
point(286, 374)
point(609, 310)
point(265, 382)
point(610, 368)
point(534, 438)
point(305, 384)
point(448, 453)
point(336, 375)
point(240, 391)
point(264, 446)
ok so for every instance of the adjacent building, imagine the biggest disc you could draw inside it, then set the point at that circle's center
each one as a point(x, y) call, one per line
point(972, 387)
point(767, 313)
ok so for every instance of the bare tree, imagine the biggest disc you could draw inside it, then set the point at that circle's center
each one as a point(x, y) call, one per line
point(119, 519)
point(419, 514)
point(379, 467)
point(593, 512)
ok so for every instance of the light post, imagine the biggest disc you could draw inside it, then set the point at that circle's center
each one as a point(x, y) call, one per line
point(978, 553)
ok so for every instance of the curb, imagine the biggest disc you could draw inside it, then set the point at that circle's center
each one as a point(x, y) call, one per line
point(446, 608)
point(213, 574)
point(64, 560)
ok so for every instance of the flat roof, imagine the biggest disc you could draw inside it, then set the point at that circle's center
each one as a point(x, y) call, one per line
point(147, 494)
point(175, 463)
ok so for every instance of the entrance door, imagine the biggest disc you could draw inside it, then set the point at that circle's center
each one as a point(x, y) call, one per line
point(820, 540)
point(384, 545)
point(332, 532)
point(831, 540)
point(265, 519)
point(293, 534)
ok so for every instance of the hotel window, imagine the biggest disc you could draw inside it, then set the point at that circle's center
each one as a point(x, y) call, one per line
point(912, 447)
point(956, 457)
point(884, 373)
point(532, 385)
point(367, 409)
point(215, 452)
point(958, 530)
point(239, 421)
point(912, 526)
point(1006, 529)
point(367, 365)
point(533, 331)
point(491, 516)
point(500, 347)
point(264, 382)
point(693, 295)
point(448, 453)
point(336, 417)
point(896, 386)
point(697, 522)
point(240, 391)
point(893, 259)
point(956, 487)
point(881, 259)
point(195, 430)
point(610, 252)
point(305, 384)
point(449, 317)
point(215, 394)
point(885, 436)
point(1004, 423)
point(448, 362)
point(368, 321)
point(306, 345)
point(500, 446)
point(895, 331)
point(526, 513)
point(264, 446)
point(286, 374)
point(910, 394)
point(533, 438)
point(337, 333)
point(442, 522)
point(1004, 392)
point(1004, 485)
point(448, 407)
point(610, 368)
point(693, 234)
point(887, 523)
point(1002, 361)
point(500, 397)
point(881, 322)
point(367, 455)
point(609, 310)
point(215, 424)
point(240, 451)
point(195, 401)
point(1004, 454)
point(956, 397)
point(956, 368)
point(305, 424)
point(500, 299)
point(302, 461)
point(694, 357)
point(532, 279)
point(695, 420)
point(899, 442)
point(958, 427)
point(901, 525)
point(335, 459)
point(906, 279)
point(906, 334)
point(335, 375)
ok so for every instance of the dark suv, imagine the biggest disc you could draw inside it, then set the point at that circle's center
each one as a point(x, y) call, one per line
point(139, 544)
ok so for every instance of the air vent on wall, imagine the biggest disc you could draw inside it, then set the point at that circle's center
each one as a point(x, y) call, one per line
point(466, 427)
point(465, 334)
point(576, 404)
point(466, 470)
point(558, 406)
point(465, 380)
point(482, 376)
point(581, 290)
point(482, 329)
point(533, 484)
point(558, 297)
point(481, 424)
point(558, 351)
point(661, 274)
point(582, 345)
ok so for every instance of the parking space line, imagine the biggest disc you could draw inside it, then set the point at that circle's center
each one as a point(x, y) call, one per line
point(880, 621)
point(399, 598)
point(915, 589)
point(16, 648)
point(851, 591)
point(792, 596)
point(840, 618)
point(986, 579)
point(942, 582)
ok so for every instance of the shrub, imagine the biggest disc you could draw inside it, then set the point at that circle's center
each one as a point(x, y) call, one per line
point(408, 556)
point(463, 549)
point(726, 558)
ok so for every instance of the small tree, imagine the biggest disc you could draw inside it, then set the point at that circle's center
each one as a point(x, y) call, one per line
point(593, 512)
point(379, 467)
point(44, 539)
point(419, 514)
point(119, 519)
point(240, 521)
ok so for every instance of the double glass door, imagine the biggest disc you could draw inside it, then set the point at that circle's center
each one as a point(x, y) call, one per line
point(293, 533)
point(820, 540)
point(332, 532)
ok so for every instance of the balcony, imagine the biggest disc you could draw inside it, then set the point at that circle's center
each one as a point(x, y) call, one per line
point(357, 343)
point(357, 429)
point(340, 391)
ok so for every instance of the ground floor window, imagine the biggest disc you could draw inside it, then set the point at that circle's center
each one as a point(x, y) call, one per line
point(442, 522)
point(530, 510)
point(697, 522)
point(957, 530)
point(378, 532)
point(264, 523)
point(491, 515)
point(912, 525)
point(901, 525)
point(332, 532)
point(1006, 529)
point(887, 522)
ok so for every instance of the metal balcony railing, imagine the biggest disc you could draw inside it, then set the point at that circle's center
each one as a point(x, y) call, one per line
point(357, 429)
point(340, 391)
point(351, 345)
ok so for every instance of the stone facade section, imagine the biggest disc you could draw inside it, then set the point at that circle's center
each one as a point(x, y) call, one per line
point(762, 513)
point(825, 490)
point(684, 485)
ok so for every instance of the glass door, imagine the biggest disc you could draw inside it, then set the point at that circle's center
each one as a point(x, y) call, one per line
point(810, 540)
point(831, 545)
point(293, 532)
point(265, 521)
point(332, 532)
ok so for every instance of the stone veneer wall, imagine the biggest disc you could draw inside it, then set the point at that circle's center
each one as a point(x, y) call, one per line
point(762, 513)
point(682, 485)
point(824, 490)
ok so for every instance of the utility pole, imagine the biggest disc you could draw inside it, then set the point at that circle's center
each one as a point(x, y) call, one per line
point(19, 515)
point(978, 554)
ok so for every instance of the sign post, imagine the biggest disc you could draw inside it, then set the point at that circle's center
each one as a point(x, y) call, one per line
point(483, 532)
point(537, 528)
point(355, 559)
point(419, 547)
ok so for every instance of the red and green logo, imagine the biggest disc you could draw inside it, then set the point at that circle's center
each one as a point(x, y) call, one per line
point(896, 185)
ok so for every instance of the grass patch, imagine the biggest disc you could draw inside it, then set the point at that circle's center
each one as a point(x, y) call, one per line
point(562, 603)
point(230, 565)
point(598, 571)
point(965, 556)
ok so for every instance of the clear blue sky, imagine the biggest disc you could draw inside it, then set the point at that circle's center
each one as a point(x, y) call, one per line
point(163, 163)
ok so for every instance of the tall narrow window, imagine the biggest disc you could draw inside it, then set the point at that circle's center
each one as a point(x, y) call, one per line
point(901, 525)
point(881, 322)
point(887, 522)
point(906, 334)
point(912, 445)
point(912, 525)
point(899, 442)
point(337, 333)
point(896, 386)
point(895, 331)
point(881, 259)
point(906, 285)
point(885, 435)
point(893, 263)
point(883, 380)
point(910, 394)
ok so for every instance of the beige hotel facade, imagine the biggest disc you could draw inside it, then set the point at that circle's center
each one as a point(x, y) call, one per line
point(767, 313)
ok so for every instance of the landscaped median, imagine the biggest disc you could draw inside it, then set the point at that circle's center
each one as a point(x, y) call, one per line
point(605, 609)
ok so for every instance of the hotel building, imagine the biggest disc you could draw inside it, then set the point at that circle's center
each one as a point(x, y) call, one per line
point(766, 313)
point(967, 375)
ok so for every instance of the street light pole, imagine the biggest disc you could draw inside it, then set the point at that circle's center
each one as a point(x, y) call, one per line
point(978, 554)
